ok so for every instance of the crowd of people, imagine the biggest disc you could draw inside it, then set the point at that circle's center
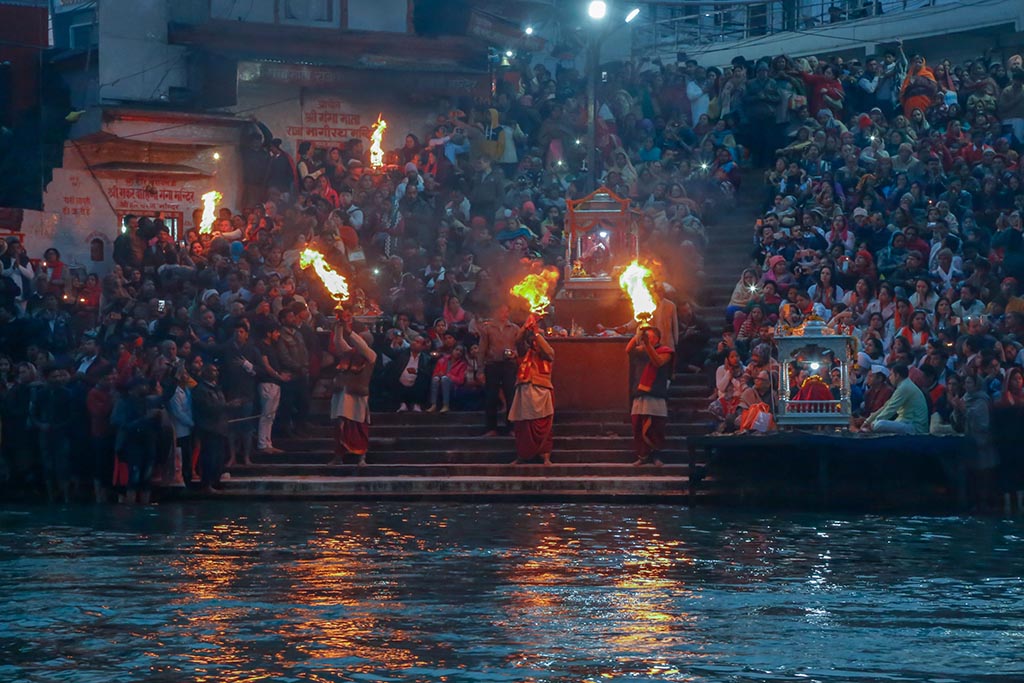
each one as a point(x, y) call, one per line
point(206, 347)
point(892, 196)
point(892, 209)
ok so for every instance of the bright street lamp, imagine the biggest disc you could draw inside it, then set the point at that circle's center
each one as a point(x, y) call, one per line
point(597, 9)
point(529, 30)
point(633, 14)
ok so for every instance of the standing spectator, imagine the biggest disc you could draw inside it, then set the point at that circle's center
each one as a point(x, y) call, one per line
point(760, 98)
point(212, 429)
point(137, 421)
point(294, 357)
point(1011, 106)
point(179, 409)
point(241, 361)
point(498, 355)
point(281, 170)
point(100, 405)
point(409, 376)
point(50, 416)
point(271, 375)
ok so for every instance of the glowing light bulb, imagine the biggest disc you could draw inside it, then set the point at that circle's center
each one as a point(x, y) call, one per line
point(815, 365)
point(216, 156)
point(597, 9)
point(633, 14)
point(529, 30)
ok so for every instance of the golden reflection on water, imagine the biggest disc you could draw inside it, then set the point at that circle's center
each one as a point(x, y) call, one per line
point(209, 573)
point(649, 599)
point(337, 618)
point(638, 609)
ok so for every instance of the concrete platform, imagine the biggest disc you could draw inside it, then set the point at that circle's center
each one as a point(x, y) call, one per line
point(632, 488)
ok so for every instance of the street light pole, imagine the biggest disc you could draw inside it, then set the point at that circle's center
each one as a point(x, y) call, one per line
point(593, 62)
point(597, 10)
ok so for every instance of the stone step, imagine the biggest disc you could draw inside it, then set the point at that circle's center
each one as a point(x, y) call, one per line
point(373, 469)
point(470, 443)
point(680, 423)
point(553, 488)
point(469, 457)
point(680, 397)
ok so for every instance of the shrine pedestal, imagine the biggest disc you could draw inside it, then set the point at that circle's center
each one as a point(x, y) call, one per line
point(588, 307)
point(591, 374)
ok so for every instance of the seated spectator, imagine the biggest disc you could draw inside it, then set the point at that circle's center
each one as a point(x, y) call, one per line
point(906, 411)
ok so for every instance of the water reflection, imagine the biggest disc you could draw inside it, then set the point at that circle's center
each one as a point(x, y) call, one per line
point(548, 594)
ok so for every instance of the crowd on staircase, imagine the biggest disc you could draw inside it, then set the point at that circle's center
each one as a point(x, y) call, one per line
point(218, 338)
point(210, 343)
point(891, 207)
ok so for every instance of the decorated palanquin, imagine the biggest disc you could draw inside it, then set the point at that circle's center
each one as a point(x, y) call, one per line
point(808, 393)
point(602, 236)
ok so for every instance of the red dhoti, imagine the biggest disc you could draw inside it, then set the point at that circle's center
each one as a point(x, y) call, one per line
point(648, 435)
point(352, 437)
point(533, 437)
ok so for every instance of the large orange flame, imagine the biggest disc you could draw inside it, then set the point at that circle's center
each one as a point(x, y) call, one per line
point(634, 282)
point(535, 289)
point(376, 151)
point(334, 282)
point(210, 200)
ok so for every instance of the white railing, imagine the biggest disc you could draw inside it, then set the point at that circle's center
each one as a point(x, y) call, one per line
point(685, 29)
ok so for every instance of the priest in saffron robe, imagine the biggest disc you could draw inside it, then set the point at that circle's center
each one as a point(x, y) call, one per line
point(533, 405)
point(651, 371)
point(350, 404)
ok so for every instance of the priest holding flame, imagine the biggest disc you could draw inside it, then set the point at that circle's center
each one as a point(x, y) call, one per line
point(533, 406)
point(651, 370)
point(350, 403)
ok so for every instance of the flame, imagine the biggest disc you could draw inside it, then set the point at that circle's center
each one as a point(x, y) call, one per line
point(334, 282)
point(535, 287)
point(376, 152)
point(633, 282)
point(210, 200)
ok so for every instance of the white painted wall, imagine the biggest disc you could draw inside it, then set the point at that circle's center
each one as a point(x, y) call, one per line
point(379, 15)
point(78, 207)
point(135, 61)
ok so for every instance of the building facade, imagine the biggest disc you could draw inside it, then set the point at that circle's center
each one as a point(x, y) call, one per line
point(162, 93)
point(716, 33)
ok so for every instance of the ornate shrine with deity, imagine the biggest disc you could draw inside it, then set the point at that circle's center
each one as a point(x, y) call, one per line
point(808, 393)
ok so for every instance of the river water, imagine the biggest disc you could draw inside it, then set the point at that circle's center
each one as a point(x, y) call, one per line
point(231, 592)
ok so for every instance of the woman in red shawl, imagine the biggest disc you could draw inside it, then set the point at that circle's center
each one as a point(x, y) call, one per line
point(919, 87)
point(864, 266)
point(1013, 389)
point(824, 91)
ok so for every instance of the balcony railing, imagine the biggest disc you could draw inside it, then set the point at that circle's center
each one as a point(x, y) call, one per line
point(685, 29)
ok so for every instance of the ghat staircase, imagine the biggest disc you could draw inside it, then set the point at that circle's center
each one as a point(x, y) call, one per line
point(427, 456)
